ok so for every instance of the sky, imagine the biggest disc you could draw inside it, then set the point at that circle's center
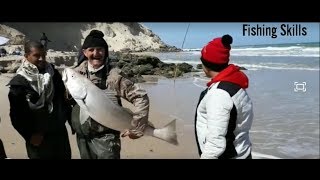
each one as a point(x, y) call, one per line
point(199, 34)
point(243, 33)
point(3, 40)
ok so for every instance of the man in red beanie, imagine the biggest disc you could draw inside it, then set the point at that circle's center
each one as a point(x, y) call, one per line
point(224, 112)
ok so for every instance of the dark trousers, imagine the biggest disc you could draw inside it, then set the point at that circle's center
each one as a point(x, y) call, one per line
point(3, 154)
point(249, 157)
point(53, 146)
point(106, 146)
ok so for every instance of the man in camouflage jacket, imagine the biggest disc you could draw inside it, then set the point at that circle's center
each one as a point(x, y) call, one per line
point(96, 141)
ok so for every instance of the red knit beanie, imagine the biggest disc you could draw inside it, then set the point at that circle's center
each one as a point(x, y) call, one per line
point(217, 51)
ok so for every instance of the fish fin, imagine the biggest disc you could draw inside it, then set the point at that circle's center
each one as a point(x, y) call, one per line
point(82, 104)
point(167, 133)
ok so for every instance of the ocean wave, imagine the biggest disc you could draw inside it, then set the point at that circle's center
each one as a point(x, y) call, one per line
point(255, 67)
point(181, 61)
point(301, 51)
point(281, 67)
point(200, 82)
point(192, 49)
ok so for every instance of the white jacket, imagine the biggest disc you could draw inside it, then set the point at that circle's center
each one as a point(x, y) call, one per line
point(215, 114)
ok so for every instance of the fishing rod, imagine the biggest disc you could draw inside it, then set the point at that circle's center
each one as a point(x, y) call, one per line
point(176, 67)
point(184, 39)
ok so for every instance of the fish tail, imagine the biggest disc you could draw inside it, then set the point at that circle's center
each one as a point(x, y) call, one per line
point(167, 133)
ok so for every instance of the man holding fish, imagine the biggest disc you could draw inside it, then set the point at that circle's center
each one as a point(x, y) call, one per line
point(95, 140)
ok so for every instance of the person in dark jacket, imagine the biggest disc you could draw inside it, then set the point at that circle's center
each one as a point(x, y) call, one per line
point(44, 40)
point(38, 107)
point(3, 154)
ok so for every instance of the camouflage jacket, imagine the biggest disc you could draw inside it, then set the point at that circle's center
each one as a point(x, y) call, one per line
point(113, 79)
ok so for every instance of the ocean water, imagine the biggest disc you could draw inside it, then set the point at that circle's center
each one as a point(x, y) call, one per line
point(284, 88)
point(304, 56)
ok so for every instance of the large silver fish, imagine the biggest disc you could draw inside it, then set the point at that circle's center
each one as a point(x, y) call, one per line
point(102, 109)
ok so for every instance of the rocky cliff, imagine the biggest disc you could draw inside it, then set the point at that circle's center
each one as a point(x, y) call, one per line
point(15, 37)
point(128, 37)
point(122, 39)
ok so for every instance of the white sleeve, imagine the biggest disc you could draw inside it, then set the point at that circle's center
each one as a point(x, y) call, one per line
point(219, 105)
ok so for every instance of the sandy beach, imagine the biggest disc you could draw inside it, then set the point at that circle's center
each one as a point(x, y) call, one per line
point(143, 148)
point(286, 123)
